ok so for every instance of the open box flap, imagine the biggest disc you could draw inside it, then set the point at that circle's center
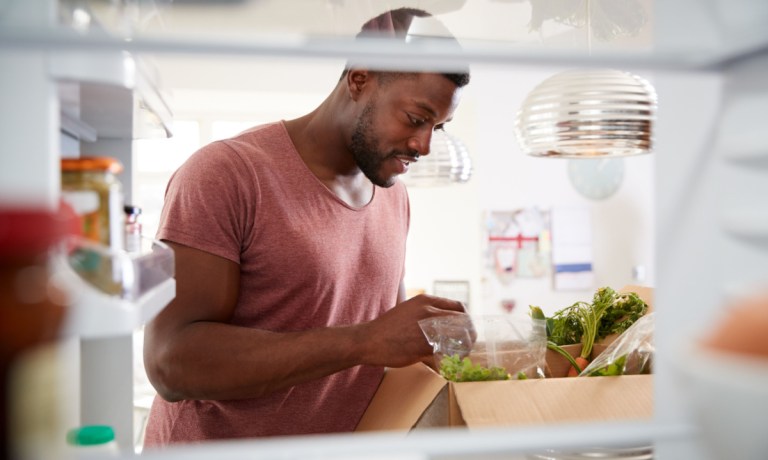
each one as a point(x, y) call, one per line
point(644, 292)
point(578, 399)
point(403, 395)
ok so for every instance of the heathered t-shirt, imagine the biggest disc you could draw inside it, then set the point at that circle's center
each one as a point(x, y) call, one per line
point(307, 260)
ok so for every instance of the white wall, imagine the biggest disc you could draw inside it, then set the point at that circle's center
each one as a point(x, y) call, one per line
point(446, 240)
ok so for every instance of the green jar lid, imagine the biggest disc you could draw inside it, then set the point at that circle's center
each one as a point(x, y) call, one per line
point(90, 435)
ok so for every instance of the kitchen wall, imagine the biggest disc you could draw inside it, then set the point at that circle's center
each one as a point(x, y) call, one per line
point(447, 238)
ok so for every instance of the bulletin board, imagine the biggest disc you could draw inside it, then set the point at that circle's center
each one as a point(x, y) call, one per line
point(518, 243)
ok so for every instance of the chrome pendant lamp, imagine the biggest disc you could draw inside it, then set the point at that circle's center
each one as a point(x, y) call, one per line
point(448, 162)
point(587, 113)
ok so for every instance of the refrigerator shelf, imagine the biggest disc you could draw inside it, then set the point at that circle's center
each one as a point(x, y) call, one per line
point(747, 224)
point(114, 292)
point(742, 139)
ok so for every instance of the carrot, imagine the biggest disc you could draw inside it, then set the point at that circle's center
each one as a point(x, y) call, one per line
point(575, 366)
point(588, 323)
point(582, 364)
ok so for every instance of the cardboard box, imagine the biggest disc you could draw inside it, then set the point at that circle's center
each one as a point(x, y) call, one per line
point(416, 397)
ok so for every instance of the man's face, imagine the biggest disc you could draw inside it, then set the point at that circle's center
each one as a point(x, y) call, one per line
point(365, 149)
point(395, 126)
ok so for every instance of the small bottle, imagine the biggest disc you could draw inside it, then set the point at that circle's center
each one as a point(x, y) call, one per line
point(93, 440)
point(132, 228)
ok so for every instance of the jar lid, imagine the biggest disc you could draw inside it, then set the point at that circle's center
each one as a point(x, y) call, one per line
point(28, 232)
point(107, 164)
point(90, 435)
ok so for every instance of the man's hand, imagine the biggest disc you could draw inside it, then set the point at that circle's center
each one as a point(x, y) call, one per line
point(395, 339)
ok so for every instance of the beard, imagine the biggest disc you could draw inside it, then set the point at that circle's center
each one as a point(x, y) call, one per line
point(365, 151)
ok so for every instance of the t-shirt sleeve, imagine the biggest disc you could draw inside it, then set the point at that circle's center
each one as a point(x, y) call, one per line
point(210, 203)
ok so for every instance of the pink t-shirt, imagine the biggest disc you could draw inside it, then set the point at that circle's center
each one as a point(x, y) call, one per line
point(307, 260)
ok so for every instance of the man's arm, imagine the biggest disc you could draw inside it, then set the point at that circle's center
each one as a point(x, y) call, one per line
point(191, 352)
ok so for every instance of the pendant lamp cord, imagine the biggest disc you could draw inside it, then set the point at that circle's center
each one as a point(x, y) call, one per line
point(589, 27)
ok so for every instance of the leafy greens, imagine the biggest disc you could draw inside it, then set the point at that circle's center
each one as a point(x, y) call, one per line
point(456, 369)
point(610, 311)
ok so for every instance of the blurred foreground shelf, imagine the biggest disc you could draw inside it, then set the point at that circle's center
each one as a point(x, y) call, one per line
point(114, 292)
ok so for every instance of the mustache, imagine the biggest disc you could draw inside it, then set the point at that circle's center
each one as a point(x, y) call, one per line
point(413, 155)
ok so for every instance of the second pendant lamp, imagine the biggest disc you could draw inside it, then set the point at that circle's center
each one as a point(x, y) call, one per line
point(448, 162)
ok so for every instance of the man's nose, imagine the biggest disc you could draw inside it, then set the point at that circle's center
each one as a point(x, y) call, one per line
point(420, 143)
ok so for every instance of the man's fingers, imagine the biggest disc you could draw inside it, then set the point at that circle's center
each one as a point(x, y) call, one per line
point(447, 304)
point(435, 311)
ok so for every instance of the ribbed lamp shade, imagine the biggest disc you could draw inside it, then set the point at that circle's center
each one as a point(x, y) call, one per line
point(448, 162)
point(588, 113)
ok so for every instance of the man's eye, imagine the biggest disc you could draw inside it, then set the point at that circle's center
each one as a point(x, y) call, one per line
point(439, 127)
point(416, 121)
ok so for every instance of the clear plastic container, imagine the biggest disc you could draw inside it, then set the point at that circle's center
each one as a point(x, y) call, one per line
point(491, 347)
point(119, 273)
point(114, 292)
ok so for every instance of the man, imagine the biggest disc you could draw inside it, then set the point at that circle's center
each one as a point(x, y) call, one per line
point(290, 246)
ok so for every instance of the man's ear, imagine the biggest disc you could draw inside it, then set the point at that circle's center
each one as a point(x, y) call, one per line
point(357, 80)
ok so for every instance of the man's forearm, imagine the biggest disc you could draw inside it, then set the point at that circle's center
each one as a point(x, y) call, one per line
point(209, 360)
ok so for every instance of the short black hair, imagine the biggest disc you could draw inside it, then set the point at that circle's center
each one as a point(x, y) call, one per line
point(395, 24)
point(460, 79)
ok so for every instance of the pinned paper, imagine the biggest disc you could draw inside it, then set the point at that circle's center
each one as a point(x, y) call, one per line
point(518, 243)
point(572, 248)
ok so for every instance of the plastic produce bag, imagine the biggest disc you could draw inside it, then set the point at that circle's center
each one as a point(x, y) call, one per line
point(487, 347)
point(630, 353)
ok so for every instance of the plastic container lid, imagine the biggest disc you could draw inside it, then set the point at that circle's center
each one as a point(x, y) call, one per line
point(107, 164)
point(90, 435)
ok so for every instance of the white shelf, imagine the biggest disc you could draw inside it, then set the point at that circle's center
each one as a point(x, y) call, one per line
point(97, 316)
point(747, 223)
point(664, 54)
point(138, 287)
point(513, 442)
point(114, 92)
point(114, 68)
point(743, 139)
point(77, 128)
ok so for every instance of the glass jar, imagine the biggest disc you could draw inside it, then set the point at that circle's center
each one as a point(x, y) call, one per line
point(90, 186)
